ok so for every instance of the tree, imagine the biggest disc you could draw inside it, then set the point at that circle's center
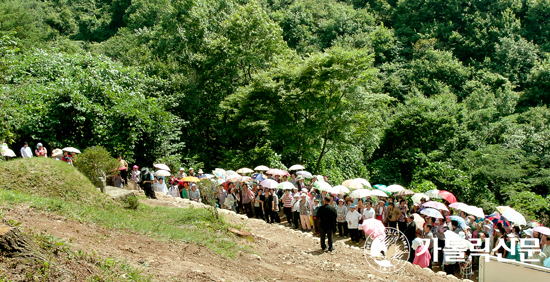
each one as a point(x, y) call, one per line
point(311, 106)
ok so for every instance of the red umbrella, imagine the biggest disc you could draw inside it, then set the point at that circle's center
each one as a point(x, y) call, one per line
point(448, 196)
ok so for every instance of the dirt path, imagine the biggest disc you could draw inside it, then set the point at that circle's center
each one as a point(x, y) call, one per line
point(280, 254)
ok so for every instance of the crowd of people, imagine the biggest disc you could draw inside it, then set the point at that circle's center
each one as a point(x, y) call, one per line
point(307, 208)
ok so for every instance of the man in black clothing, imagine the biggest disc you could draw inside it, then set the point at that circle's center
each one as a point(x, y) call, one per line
point(327, 218)
point(146, 182)
point(410, 233)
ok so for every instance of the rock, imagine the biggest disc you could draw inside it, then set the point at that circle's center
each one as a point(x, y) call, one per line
point(257, 257)
point(441, 273)
point(429, 270)
point(450, 276)
point(118, 193)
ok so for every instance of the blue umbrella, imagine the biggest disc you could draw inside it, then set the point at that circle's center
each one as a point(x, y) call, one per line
point(382, 188)
point(460, 221)
point(258, 177)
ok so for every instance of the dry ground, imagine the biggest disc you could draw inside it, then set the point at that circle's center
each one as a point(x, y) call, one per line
point(279, 254)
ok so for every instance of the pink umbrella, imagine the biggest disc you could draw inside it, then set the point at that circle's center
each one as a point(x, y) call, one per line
point(269, 183)
point(436, 205)
point(279, 172)
point(542, 230)
point(373, 227)
point(447, 196)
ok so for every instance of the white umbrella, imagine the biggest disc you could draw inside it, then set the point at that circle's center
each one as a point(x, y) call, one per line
point(418, 196)
point(378, 193)
point(436, 205)
point(340, 189)
point(162, 173)
point(360, 193)
point(353, 184)
point(459, 206)
point(454, 241)
point(285, 185)
point(159, 166)
point(245, 179)
point(431, 213)
point(219, 171)
point(71, 150)
point(244, 170)
point(419, 221)
point(305, 174)
point(261, 168)
point(269, 183)
point(395, 188)
point(57, 152)
point(514, 217)
point(323, 186)
point(502, 209)
point(475, 211)
point(233, 178)
point(230, 172)
point(220, 181)
point(296, 167)
point(8, 153)
point(364, 182)
point(434, 194)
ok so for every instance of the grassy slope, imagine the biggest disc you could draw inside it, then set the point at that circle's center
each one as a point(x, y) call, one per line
point(54, 186)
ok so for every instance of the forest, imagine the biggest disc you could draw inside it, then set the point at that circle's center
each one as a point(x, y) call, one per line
point(428, 94)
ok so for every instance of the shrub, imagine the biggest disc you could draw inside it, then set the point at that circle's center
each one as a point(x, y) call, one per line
point(96, 162)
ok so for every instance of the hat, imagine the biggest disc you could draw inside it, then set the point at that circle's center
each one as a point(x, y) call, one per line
point(302, 195)
point(200, 171)
point(352, 206)
point(528, 232)
point(193, 185)
point(341, 200)
point(304, 190)
point(300, 177)
point(135, 166)
point(190, 168)
point(512, 235)
point(38, 145)
point(297, 195)
point(316, 200)
point(472, 217)
point(181, 168)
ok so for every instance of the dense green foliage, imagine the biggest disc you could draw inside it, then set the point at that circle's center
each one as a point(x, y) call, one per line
point(446, 94)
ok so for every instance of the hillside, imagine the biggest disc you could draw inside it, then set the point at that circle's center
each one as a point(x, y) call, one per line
point(426, 94)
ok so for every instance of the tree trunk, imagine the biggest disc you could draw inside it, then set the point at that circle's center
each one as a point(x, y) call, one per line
point(322, 154)
point(15, 244)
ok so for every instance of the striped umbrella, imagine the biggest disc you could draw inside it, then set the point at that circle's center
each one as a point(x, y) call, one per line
point(496, 218)
point(404, 193)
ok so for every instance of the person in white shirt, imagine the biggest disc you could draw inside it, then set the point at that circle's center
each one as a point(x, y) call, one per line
point(352, 218)
point(296, 210)
point(26, 152)
point(368, 211)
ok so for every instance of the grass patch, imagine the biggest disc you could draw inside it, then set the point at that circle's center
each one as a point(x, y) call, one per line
point(63, 263)
point(59, 188)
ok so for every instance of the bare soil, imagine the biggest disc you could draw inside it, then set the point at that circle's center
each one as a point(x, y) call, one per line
point(277, 253)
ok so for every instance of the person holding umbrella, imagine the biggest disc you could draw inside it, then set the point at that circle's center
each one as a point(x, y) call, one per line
point(327, 218)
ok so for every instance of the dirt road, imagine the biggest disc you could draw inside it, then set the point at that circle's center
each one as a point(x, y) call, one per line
point(279, 254)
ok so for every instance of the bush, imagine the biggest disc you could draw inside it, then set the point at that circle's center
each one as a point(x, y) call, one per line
point(96, 162)
point(209, 195)
point(132, 202)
